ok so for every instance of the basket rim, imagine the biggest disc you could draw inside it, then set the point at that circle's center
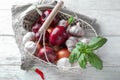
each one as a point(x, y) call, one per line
point(61, 11)
point(44, 6)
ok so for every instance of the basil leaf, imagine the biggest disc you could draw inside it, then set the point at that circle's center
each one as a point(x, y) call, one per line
point(80, 46)
point(89, 50)
point(70, 20)
point(95, 61)
point(82, 61)
point(97, 42)
point(74, 55)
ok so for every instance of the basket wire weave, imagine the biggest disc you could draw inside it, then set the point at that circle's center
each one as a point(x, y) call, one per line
point(25, 25)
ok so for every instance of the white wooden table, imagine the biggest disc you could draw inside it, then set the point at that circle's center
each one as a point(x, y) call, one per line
point(107, 13)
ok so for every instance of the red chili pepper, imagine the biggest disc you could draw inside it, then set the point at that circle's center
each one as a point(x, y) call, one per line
point(40, 73)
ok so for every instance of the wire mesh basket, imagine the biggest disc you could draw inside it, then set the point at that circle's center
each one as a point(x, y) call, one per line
point(24, 25)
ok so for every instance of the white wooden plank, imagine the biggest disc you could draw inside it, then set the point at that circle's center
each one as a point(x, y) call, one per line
point(108, 21)
point(82, 4)
point(93, 4)
point(15, 73)
point(5, 22)
point(109, 53)
point(108, 73)
point(112, 58)
point(9, 52)
point(6, 4)
point(9, 72)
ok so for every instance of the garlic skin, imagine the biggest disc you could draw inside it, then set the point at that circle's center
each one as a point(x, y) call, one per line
point(84, 40)
point(63, 62)
point(71, 42)
point(76, 30)
point(75, 64)
point(29, 36)
point(30, 46)
point(62, 23)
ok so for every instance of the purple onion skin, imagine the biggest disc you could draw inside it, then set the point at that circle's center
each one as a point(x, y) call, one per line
point(58, 36)
point(36, 27)
point(50, 54)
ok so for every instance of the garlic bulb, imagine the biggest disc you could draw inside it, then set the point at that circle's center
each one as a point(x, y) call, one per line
point(30, 46)
point(71, 42)
point(62, 23)
point(76, 30)
point(63, 62)
point(29, 36)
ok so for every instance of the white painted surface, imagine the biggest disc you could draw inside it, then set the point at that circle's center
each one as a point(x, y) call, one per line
point(108, 24)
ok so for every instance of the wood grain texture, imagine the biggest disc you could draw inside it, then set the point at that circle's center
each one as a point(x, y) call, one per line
point(5, 22)
point(93, 4)
point(107, 21)
point(14, 73)
point(107, 14)
point(9, 53)
point(106, 52)
point(108, 73)
point(6, 4)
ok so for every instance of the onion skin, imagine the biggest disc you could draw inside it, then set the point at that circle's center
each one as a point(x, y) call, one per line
point(58, 36)
point(44, 16)
point(63, 53)
point(50, 29)
point(50, 54)
point(36, 27)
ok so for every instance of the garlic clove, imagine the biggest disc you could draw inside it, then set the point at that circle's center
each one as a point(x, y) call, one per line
point(62, 23)
point(76, 30)
point(30, 46)
point(29, 36)
point(71, 42)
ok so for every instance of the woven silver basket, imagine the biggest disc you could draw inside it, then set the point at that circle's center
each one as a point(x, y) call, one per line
point(23, 24)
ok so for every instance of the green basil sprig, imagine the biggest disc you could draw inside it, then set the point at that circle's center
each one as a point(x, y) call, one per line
point(83, 53)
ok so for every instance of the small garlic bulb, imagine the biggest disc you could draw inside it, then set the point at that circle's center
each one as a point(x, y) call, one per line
point(62, 23)
point(71, 42)
point(29, 36)
point(63, 62)
point(76, 30)
point(30, 46)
